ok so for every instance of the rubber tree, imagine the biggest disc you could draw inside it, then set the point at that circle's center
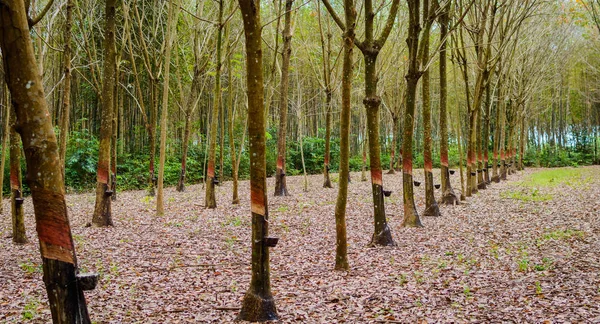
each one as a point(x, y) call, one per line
point(102, 209)
point(370, 48)
point(44, 175)
point(431, 206)
point(66, 97)
point(328, 88)
point(280, 179)
point(448, 195)
point(349, 38)
point(411, 216)
point(258, 303)
point(211, 179)
point(16, 185)
point(171, 28)
point(5, 137)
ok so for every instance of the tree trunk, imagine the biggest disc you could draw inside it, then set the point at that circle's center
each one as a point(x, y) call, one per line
point(171, 28)
point(382, 234)
point(211, 179)
point(448, 195)
point(65, 296)
point(502, 143)
point(102, 210)
point(234, 164)
point(363, 173)
point(258, 303)
point(152, 180)
point(185, 147)
point(431, 206)
point(522, 141)
point(327, 181)
point(16, 186)
point(280, 179)
point(341, 251)
point(115, 131)
point(486, 136)
point(411, 216)
point(5, 141)
point(479, 147)
point(66, 98)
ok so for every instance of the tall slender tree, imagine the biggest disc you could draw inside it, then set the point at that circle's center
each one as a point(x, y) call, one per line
point(102, 209)
point(280, 180)
point(258, 303)
point(327, 86)
point(211, 179)
point(448, 195)
point(411, 216)
point(431, 206)
point(66, 97)
point(171, 28)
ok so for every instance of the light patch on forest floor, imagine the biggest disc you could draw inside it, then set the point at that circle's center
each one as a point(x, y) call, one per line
point(492, 259)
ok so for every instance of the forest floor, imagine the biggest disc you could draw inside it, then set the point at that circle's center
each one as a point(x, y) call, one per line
point(524, 250)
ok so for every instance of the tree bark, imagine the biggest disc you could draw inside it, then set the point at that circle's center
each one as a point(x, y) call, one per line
point(328, 107)
point(370, 49)
point(102, 210)
point(411, 216)
point(431, 206)
point(5, 141)
point(171, 28)
point(66, 97)
point(258, 303)
point(44, 176)
point(211, 179)
point(16, 186)
point(280, 179)
point(448, 195)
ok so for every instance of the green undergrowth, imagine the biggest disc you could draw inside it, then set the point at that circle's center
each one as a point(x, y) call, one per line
point(533, 187)
point(559, 176)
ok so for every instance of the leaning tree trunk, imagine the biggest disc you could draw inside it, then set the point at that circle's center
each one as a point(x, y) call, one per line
point(171, 28)
point(431, 206)
point(102, 210)
point(280, 180)
point(448, 195)
point(16, 186)
point(211, 179)
point(44, 175)
point(258, 303)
